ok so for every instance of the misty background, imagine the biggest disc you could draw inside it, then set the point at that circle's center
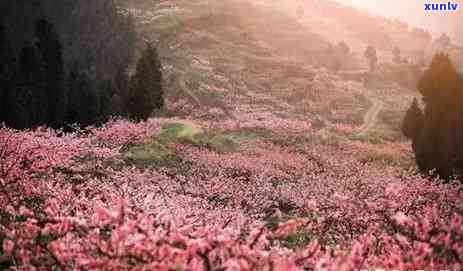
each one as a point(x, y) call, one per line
point(413, 13)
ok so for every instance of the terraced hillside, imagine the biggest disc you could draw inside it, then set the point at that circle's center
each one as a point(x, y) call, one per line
point(221, 57)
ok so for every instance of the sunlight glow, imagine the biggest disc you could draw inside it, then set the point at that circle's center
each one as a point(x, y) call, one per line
point(412, 12)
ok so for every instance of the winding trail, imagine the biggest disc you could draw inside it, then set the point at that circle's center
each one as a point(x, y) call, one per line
point(187, 91)
point(183, 86)
point(371, 117)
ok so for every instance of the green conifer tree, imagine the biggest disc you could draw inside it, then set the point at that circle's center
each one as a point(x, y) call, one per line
point(146, 93)
point(437, 147)
point(413, 121)
point(50, 49)
point(14, 100)
point(33, 85)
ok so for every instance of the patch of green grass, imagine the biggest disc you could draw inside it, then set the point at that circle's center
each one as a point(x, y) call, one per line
point(297, 239)
point(220, 143)
point(150, 154)
point(156, 152)
point(229, 141)
point(180, 132)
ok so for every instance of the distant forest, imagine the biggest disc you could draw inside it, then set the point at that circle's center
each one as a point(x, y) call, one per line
point(65, 62)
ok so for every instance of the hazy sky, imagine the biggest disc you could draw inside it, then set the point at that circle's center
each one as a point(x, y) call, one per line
point(413, 12)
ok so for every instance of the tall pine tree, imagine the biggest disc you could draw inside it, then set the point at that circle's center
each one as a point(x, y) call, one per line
point(5, 74)
point(32, 82)
point(50, 49)
point(438, 146)
point(145, 93)
point(12, 110)
point(83, 106)
point(413, 122)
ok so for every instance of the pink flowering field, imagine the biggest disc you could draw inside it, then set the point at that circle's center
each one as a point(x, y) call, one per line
point(260, 162)
point(78, 202)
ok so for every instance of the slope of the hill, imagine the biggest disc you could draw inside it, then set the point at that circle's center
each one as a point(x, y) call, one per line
point(236, 59)
point(414, 13)
point(337, 22)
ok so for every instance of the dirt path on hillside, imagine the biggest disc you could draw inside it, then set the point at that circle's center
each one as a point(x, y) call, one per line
point(187, 91)
point(184, 87)
point(371, 117)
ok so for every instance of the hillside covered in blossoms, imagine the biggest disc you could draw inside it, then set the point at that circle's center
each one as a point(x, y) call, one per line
point(228, 135)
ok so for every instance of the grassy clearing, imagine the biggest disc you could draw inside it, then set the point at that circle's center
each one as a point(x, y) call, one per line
point(157, 151)
point(230, 141)
point(180, 132)
point(150, 154)
point(297, 239)
point(220, 143)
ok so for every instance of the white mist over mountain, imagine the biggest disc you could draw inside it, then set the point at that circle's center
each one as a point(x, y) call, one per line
point(413, 12)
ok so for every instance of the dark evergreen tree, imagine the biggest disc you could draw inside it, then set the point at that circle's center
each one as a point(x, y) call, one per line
point(50, 49)
point(32, 83)
point(438, 145)
point(145, 92)
point(83, 107)
point(6, 58)
point(370, 55)
point(413, 122)
point(120, 99)
point(106, 90)
point(93, 33)
point(11, 108)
